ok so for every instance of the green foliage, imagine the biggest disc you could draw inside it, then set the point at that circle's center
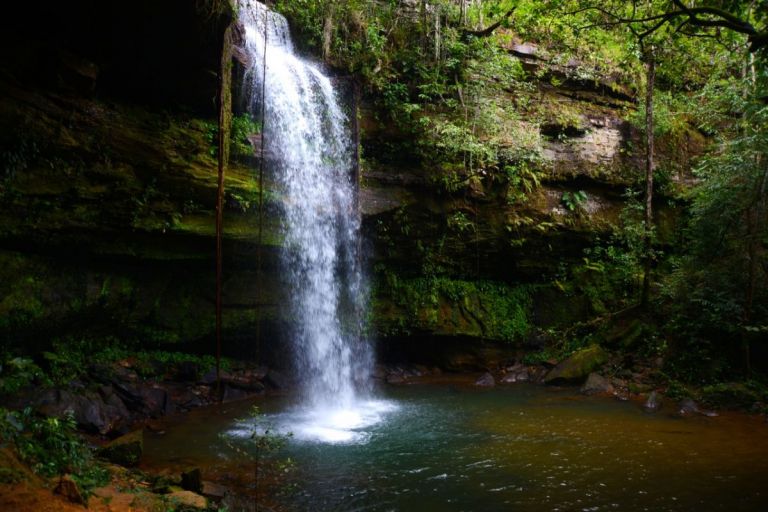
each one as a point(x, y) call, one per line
point(51, 446)
point(71, 358)
point(574, 201)
point(459, 222)
point(487, 309)
point(242, 127)
point(522, 180)
point(611, 270)
point(19, 373)
point(718, 290)
point(264, 444)
point(541, 356)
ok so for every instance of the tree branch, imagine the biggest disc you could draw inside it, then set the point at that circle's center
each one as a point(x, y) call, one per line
point(715, 17)
point(465, 34)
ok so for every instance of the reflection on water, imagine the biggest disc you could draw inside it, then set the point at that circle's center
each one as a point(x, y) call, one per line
point(525, 448)
point(342, 425)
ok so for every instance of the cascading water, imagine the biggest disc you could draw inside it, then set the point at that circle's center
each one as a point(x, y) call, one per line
point(307, 136)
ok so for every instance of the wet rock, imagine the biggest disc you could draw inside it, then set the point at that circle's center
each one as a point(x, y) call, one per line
point(126, 450)
point(516, 373)
point(209, 378)
point(395, 378)
point(486, 380)
point(379, 372)
point(247, 382)
point(577, 366)
point(595, 384)
point(155, 401)
point(231, 393)
point(277, 380)
point(688, 408)
point(213, 490)
point(184, 397)
point(188, 499)
point(68, 488)
point(90, 411)
point(192, 480)
point(653, 403)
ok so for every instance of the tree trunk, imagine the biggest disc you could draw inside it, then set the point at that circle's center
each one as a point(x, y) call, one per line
point(225, 115)
point(648, 235)
point(328, 23)
point(755, 215)
point(437, 35)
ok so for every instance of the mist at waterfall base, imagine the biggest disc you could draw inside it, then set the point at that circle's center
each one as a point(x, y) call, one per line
point(306, 133)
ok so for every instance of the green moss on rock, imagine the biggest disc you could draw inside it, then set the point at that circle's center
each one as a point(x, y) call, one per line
point(577, 366)
point(444, 306)
point(125, 450)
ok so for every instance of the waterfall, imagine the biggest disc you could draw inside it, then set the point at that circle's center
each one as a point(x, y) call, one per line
point(308, 140)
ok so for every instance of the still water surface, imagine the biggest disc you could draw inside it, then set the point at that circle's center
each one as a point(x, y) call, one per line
point(441, 447)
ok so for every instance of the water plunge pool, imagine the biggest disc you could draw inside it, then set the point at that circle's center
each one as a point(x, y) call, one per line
point(451, 447)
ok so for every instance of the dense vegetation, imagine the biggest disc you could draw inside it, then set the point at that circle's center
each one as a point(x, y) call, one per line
point(444, 72)
point(107, 200)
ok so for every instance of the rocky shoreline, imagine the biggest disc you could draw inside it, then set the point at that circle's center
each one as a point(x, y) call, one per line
point(114, 403)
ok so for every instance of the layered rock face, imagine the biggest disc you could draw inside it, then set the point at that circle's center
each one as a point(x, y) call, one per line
point(486, 254)
point(108, 181)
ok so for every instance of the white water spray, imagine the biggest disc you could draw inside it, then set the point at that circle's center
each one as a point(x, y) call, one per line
point(307, 136)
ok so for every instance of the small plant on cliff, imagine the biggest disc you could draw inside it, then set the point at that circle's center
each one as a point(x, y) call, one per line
point(574, 201)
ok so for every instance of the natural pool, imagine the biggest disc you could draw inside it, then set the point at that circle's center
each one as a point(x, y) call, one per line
point(449, 447)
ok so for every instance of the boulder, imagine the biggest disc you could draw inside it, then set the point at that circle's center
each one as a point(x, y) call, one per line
point(577, 366)
point(247, 381)
point(192, 480)
point(486, 380)
point(517, 373)
point(90, 411)
point(688, 408)
point(68, 488)
point(188, 499)
point(125, 450)
point(213, 490)
point(596, 384)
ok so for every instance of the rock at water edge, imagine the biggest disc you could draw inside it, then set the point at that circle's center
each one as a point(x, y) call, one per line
point(595, 384)
point(577, 366)
point(486, 380)
point(125, 450)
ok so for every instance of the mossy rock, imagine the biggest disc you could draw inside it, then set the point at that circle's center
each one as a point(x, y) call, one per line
point(730, 395)
point(577, 366)
point(125, 450)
